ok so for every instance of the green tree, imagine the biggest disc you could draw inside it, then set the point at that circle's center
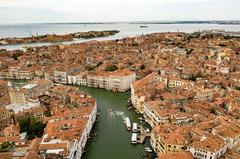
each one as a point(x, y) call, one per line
point(15, 56)
point(47, 113)
point(24, 123)
point(6, 147)
point(33, 126)
point(237, 87)
point(36, 128)
point(111, 68)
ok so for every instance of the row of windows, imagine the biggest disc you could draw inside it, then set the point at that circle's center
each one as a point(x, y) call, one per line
point(201, 155)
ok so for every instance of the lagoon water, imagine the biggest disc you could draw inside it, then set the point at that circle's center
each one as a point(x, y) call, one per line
point(126, 30)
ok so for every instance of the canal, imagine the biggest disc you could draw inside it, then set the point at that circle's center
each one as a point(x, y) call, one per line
point(112, 138)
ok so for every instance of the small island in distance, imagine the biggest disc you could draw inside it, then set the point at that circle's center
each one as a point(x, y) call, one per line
point(57, 38)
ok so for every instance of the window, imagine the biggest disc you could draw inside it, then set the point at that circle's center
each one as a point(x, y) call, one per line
point(200, 155)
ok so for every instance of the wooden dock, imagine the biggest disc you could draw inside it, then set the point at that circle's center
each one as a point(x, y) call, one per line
point(143, 135)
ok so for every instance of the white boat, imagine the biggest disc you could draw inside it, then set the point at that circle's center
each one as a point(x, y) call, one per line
point(129, 108)
point(135, 127)
point(128, 123)
point(142, 122)
point(148, 149)
point(134, 138)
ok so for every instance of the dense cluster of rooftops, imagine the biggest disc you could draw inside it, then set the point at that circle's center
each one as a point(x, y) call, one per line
point(186, 86)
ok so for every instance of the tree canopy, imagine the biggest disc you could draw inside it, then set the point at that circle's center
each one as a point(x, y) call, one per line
point(33, 126)
point(111, 68)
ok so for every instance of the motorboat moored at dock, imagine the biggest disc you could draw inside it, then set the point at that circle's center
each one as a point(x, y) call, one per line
point(148, 149)
point(135, 128)
point(134, 138)
point(128, 123)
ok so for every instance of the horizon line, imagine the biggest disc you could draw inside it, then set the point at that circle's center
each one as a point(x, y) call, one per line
point(136, 22)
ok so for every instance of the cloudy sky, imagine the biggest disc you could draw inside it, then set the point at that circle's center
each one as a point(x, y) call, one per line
point(32, 11)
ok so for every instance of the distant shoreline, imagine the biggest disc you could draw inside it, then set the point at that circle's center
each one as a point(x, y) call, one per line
point(220, 22)
point(126, 30)
point(237, 22)
point(53, 38)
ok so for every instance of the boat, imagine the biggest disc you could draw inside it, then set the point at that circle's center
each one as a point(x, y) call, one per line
point(128, 123)
point(129, 103)
point(129, 108)
point(143, 26)
point(134, 138)
point(142, 122)
point(109, 110)
point(148, 149)
point(135, 128)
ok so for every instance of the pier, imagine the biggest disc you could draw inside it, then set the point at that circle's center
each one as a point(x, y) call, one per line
point(143, 135)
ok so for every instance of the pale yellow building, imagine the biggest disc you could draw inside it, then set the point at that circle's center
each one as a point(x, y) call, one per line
point(34, 89)
point(163, 139)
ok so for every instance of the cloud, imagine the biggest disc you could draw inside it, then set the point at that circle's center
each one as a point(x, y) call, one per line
point(117, 10)
point(64, 5)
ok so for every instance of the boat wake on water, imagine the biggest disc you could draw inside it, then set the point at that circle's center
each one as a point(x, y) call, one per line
point(121, 114)
point(111, 113)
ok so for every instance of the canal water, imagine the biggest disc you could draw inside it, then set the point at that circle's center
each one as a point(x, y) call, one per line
point(112, 138)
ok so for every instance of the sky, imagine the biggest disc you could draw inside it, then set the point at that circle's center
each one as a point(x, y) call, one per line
point(47, 11)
